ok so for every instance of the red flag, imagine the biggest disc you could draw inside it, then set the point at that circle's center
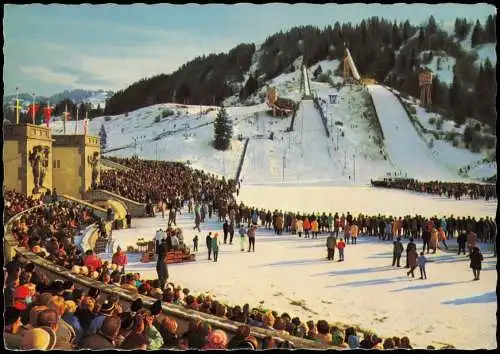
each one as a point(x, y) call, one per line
point(47, 113)
point(30, 110)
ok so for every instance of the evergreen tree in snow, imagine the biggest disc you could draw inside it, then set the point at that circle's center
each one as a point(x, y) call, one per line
point(456, 98)
point(223, 130)
point(103, 136)
point(490, 29)
point(318, 71)
point(477, 35)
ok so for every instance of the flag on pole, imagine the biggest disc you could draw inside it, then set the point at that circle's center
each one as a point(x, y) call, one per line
point(47, 113)
point(33, 113)
point(18, 107)
point(76, 123)
point(33, 110)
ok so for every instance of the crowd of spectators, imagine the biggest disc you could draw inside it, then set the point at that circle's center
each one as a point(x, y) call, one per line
point(15, 202)
point(455, 190)
point(50, 229)
point(84, 321)
point(160, 181)
point(57, 315)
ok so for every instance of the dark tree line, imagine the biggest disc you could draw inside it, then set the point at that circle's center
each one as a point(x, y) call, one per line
point(204, 80)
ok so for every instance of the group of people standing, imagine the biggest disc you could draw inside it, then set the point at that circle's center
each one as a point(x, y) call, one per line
point(449, 189)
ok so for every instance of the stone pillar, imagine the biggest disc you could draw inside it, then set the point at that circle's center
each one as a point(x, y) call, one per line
point(76, 164)
point(27, 158)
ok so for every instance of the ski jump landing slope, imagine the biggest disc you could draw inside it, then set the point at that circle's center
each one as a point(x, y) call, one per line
point(308, 155)
point(407, 151)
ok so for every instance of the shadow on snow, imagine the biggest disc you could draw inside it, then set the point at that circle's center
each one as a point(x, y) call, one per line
point(478, 299)
point(429, 286)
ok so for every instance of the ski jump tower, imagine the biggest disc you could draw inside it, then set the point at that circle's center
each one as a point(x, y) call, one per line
point(350, 69)
point(305, 84)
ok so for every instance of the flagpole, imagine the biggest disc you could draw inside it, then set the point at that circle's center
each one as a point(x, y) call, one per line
point(85, 124)
point(48, 120)
point(33, 111)
point(17, 105)
point(76, 123)
point(65, 116)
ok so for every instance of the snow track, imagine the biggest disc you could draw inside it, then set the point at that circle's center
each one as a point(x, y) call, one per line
point(308, 155)
point(407, 151)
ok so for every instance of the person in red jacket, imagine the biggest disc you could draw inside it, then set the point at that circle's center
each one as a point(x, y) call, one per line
point(120, 259)
point(341, 246)
point(91, 261)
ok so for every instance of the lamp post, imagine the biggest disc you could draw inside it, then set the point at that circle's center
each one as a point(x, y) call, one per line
point(283, 169)
point(354, 167)
point(156, 150)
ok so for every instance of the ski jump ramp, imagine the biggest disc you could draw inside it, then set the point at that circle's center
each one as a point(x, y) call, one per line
point(308, 155)
point(406, 149)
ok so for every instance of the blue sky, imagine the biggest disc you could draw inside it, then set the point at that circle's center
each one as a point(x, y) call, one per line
point(50, 48)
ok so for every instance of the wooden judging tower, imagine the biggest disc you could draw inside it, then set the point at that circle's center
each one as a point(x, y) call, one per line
point(425, 84)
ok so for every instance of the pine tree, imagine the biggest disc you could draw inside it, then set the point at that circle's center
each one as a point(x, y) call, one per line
point(421, 37)
point(431, 26)
point(396, 37)
point(223, 130)
point(477, 34)
point(318, 71)
point(490, 29)
point(103, 135)
point(457, 98)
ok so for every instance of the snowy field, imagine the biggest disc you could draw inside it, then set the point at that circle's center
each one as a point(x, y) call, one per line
point(364, 291)
point(407, 151)
point(365, 200)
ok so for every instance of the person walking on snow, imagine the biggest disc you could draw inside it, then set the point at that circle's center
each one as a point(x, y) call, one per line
point(471, 241)
point(422, 260)
point(197, 222)
point(462, 241)
point(209, 244)
point(231, 232)
point(396, 252)
point(251, 238)
point(442, 236)
point(300, 227)
point(476, 258)
point(307, 227)
point(195, 243)
point(330, 246)
point(354, 232)
point(171, 217)
point(242, 231)
point(347, 233)
point(225, 229)
point(433, 243)
point(409, 247)
point(314, 228)
point(215, 246)
point(341, 246)
point(412, 261)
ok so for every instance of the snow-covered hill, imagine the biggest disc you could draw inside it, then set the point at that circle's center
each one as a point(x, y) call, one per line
point(351, 155)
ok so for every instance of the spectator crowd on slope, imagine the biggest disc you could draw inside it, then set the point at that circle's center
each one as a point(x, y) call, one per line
point(455, 190)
